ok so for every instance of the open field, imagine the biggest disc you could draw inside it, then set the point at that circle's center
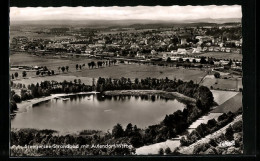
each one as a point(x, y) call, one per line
point(223, 84)
point(222, 96)
point(143, 71)
point(232, 105)
point(120, 70)
point(222, 55)
point(154, 148)
point(58, 78)
point(31, 35)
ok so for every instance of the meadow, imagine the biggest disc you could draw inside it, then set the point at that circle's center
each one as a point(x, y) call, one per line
point(131, 71)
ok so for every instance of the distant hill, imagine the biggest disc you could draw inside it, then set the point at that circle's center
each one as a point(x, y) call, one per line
point(129, 22)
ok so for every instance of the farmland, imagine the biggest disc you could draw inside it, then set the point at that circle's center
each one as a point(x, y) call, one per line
point(223, 84)
point(233, 104)
point(119, 70)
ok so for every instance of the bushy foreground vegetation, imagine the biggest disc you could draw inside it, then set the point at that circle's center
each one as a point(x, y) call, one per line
point(22, 139)
point(230, 142)
point(205, 129)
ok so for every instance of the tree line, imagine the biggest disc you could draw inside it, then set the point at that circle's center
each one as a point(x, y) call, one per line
point(202, 94)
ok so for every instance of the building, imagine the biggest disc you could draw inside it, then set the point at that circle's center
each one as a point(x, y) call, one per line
point(223, 49)
point(217, 49)
point(181, 51)
point(197, 50)
point(228, 50)
point(211, 49)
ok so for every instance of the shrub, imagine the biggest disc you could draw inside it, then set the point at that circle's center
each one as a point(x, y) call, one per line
point(16, 98)
point(222, 117)
point(197, 149)
point(210, 151)
point(217, 75)
point(229, 134)
point(213, 143)
point(176, 151)
point(237, 127)
point(205, 147)
point(202, 129)
point(212, 123)
point(168, 151)
point(13, 106)
point(194, 136)
point(183, 141)
point(161, 151)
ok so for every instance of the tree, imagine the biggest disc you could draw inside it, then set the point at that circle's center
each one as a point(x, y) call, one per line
point(168, 59)
point(230, 62)
point(52, 72)
point(93, 64)
point(161, 151)
point(24, 73)
point(183, 141)
point(67, 68)
point(79, 81)
point(203, 60)
point(12, 76)
point(194, 61)
point(59, 68)
point(229, 134)
point(16, 74)
point(13, 106)
point(45, 68)
point(212, 123)
point(77, 66)
point(117, 131)
point(168, 151)
point(16, 98)
point(205, 96)
point(217, 75)
point(129, 129)
point(89, 65)
point(63, 69)
point(37, 72)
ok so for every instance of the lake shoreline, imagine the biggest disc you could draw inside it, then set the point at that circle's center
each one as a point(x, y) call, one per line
point(28, 103)
point(24, 105)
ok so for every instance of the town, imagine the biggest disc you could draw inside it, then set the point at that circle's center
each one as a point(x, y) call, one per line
point(137, 44)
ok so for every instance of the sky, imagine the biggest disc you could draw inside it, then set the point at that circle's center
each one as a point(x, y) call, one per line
point(121, 13)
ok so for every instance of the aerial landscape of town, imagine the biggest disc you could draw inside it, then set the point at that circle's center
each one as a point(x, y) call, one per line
point(125, 85)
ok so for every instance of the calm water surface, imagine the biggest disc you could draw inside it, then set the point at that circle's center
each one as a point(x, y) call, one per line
point(95, 112)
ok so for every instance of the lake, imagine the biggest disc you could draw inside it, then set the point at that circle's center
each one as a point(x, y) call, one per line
point(95, 112)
